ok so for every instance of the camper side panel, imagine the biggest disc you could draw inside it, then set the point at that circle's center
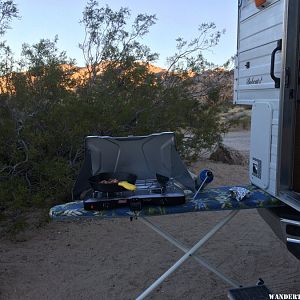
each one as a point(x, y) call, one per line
point(258, 35)
point(259, 31)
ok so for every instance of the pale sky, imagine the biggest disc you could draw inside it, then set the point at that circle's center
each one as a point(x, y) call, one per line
point(46, 18)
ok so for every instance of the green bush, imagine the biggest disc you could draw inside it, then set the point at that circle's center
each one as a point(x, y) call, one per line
point(45, 114)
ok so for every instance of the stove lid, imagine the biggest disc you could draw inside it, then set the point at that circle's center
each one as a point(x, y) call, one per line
point(143, 156)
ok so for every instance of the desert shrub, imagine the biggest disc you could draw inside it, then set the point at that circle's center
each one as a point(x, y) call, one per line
point(46, 112)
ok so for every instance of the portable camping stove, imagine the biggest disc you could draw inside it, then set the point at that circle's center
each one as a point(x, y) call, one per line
point(148, 192)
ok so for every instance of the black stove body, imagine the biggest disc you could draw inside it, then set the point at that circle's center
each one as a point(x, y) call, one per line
point(148, 193)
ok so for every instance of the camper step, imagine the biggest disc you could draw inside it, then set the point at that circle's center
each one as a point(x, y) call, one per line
point(258, 292)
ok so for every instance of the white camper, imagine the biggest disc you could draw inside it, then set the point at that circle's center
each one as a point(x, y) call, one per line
point(267, 76)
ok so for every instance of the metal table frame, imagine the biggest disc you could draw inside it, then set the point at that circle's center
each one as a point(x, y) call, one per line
point(188, 253)
point(259, 200)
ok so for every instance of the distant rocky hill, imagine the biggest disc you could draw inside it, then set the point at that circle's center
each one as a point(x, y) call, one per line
point(79, 74)
point(218, 79)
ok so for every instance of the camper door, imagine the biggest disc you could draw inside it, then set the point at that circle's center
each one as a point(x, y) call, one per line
point(289, 111)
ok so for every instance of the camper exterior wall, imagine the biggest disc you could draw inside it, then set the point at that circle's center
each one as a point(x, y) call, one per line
point(258, 35)
point(262, 33)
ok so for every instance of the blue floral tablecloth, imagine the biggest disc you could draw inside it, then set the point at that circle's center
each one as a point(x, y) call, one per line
point(208, 200)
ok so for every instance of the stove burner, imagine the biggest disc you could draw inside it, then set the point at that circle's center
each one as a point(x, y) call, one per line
point(148, 192)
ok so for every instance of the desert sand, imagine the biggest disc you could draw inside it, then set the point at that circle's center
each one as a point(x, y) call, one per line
point(118, 259)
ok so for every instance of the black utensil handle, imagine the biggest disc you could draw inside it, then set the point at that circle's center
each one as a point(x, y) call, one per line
point(272, 70)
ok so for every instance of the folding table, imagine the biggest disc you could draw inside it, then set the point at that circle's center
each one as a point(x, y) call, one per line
point(213, 199)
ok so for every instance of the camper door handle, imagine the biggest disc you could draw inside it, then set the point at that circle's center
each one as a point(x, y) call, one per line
point(272, 72)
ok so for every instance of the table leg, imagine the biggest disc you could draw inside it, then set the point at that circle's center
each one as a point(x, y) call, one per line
point(185, 249)
point(197, 246)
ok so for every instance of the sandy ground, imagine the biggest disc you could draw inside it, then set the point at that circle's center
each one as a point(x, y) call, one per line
point(118, 259)
point(239, 140)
